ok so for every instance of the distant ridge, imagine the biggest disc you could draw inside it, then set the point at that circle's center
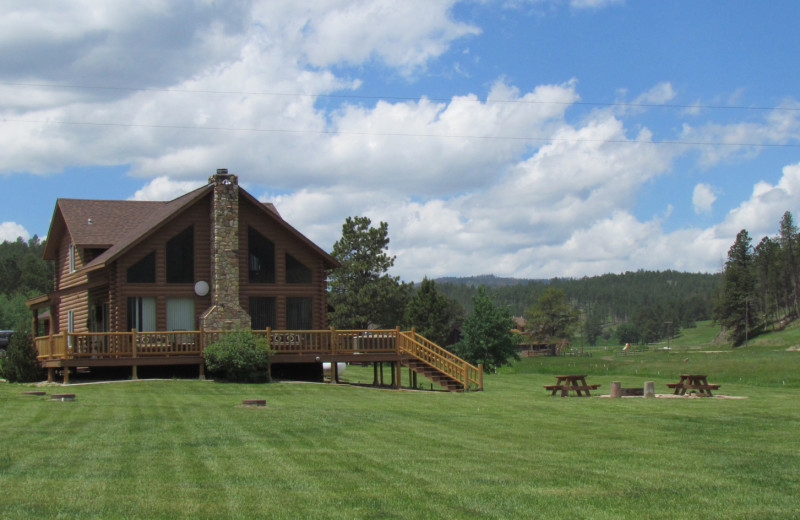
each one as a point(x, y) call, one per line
point(488, 280)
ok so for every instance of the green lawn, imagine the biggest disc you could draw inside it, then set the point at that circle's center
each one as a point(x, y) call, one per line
point(187, 449)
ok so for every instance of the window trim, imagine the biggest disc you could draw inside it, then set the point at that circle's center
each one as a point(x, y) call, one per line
point(72, 262)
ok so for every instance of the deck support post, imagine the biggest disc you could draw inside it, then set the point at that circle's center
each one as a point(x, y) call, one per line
point(51, 373)
point(375, 374)
point(480, 375)
point(134, 372)
point(202, 369)
point(66, 375)
point(334, 372)
point(397, 374)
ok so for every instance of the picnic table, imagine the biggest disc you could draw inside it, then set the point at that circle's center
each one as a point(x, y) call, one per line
point(575, 383)
point(697, 383)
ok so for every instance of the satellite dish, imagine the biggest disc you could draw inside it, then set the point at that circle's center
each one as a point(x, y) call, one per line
point(201, 288)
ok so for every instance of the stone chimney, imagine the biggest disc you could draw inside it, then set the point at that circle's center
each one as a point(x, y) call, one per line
point(225, 312)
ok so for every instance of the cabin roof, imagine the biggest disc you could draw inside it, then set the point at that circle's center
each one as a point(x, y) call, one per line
point(118, 225)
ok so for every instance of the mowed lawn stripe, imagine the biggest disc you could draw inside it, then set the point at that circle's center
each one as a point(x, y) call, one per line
point(189, 449)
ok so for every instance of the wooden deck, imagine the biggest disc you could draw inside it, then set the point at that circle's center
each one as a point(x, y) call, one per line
point(134, 349)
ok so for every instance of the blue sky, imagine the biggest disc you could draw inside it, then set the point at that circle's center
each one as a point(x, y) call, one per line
point(528, 138)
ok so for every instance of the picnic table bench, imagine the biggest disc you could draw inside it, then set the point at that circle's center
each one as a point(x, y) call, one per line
point(697, 383)
point(567, 383)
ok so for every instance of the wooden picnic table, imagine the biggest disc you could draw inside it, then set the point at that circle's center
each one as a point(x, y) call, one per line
point(567, 383)
point(697, 383)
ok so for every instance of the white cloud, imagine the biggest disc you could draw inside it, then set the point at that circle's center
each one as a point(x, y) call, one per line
point(762, 212)
point(658, 95)
point(703, 198)
point(593, 4)
point(519, 182)
point(162, 188)
point(10, 231)
point(402, 34)
point(720, 142)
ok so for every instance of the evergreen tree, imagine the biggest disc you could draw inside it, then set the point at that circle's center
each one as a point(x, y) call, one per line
point(771, 289)
point(592, 328)
point(20, 364)
point(628, 333)
point(791, 261)
point(430, 313)
point(488, 339)
point(552, 317)
point(737, 311)
point(361, 291)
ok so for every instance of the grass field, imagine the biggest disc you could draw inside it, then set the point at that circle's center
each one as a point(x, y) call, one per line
point(188, 449)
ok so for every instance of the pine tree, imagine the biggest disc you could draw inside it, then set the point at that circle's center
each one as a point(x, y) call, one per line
point(488, 339)
point(737, 311)
point(552, 317)
point(430, 313)
point(791, 261)
point(361, 291)
point(20, 364)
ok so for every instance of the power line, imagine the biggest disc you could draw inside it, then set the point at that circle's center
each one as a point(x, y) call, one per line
point(404, 134)
point(401, 98)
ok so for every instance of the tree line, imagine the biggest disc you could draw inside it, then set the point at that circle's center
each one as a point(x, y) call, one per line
point(641, 306)
point(23, 274)
point(760, 287)
point(635, 307)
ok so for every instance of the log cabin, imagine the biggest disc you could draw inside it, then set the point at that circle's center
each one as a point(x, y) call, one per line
point(151, 283)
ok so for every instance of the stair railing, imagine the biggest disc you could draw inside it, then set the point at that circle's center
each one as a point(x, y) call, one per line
point(470, 376)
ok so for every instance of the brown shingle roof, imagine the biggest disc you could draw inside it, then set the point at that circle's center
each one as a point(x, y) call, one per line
point(119, 225)
point(103, 223)
point(158, 214)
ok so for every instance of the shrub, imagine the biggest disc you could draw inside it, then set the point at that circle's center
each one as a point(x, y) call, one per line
point(240, 357)
point(20, 364)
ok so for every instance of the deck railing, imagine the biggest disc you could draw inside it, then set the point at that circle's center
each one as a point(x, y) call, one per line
point(188, 343)
point(125, 345)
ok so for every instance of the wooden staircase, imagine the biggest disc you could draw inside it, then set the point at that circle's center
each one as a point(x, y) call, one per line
point(439, 365)
point(440, 378)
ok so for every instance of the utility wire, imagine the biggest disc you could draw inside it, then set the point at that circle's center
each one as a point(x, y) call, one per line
point(400, 98)
point(403, 134)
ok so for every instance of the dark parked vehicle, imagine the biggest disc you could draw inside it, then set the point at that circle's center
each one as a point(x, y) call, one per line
point(5, 337)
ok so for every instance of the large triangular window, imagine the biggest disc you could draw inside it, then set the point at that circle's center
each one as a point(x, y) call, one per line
point(260, 258)
point(296, 271)
point(180, 257)
point(143, 271)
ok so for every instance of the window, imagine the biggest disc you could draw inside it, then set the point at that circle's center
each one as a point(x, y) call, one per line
point(98, 317)
point(180, 314)
point(180, 257)
point(143, 271)
point(296, 271)
point(72, 258)
point(261, 258)
point(142, 314)
point(262, 313)
point(70, 326)
point(298, 314)
point(90, 254)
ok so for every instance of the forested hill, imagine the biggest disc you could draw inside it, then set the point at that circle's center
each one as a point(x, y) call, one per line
point(675, 296)
point(487, 280)
point(23, 273)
